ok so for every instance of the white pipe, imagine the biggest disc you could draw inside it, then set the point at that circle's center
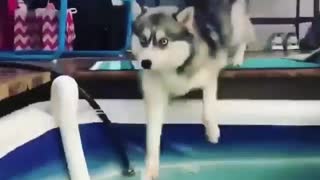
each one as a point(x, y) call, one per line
point(230, 112)
point(64, 104)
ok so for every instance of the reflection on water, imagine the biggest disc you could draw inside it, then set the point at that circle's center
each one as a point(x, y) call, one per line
point(254, 169)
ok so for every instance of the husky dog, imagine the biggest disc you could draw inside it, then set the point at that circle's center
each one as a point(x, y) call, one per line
point(184, 50)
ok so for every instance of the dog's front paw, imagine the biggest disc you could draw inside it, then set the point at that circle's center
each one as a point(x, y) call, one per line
point(152, 170)
point(213, 132)
point(233, 65)
point(237, 62)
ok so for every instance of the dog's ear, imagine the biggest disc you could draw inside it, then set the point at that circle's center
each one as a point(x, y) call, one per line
point(186, 17)
point(138, 10)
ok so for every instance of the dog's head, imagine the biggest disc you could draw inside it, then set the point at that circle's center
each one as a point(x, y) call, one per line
point(162, 39)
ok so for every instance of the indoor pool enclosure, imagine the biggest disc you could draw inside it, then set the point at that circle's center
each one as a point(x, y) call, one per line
point(71, 138)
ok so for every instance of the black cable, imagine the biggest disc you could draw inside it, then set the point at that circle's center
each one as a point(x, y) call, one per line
point(115, 139)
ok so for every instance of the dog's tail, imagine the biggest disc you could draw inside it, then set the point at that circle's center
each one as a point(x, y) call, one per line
point(209, 20)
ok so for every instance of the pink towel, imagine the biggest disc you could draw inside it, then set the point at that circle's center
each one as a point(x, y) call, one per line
point(50, 29)
point(70, 31)
point(27, 29)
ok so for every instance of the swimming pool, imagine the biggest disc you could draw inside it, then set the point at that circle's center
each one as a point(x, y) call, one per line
point(255, 152)
point(261, 140)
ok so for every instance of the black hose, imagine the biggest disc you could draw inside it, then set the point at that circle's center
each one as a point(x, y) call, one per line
point(115, 138)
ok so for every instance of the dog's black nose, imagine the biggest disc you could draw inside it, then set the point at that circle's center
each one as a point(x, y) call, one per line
point(146, 63)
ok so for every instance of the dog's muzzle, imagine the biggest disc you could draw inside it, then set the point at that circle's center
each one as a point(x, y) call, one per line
point(146, 64)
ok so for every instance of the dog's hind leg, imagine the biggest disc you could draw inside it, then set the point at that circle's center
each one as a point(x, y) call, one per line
point(156, 101)
point(238, 57)
point(242, 31)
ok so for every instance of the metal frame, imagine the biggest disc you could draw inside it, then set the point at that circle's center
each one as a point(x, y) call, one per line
point(50, 55)
point(42, 55)
point(297, 20)
point(128, 4)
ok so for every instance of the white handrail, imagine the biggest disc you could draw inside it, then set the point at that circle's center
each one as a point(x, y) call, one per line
point(64, 104)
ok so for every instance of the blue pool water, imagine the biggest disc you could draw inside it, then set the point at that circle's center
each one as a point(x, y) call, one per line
point(244, 152)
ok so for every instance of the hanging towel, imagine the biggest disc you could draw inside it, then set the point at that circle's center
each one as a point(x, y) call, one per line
point(27, 29)
point(50, 29)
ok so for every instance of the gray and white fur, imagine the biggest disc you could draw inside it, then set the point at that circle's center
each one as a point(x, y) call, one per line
point(184, 50)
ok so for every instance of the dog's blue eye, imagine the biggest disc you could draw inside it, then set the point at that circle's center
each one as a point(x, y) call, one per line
point(163, 42)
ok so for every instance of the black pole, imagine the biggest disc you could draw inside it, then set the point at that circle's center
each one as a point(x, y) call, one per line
point(297, 21)
point(316, 8)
